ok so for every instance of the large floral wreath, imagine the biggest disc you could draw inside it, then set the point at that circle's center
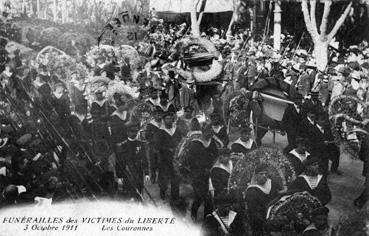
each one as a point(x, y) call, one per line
point(349, 117)
point(290, 212)
point(107, 52)
point(354, 224)
point(189, 45)
point(236, 109)
point(280, 169)
point(141, 112)
point(180, 162)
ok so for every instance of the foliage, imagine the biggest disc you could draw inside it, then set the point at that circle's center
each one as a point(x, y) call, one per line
point(280, 169)
point(180, 162)
point(354, 224)
point(349, 115)
point(49, 35)
point(122, 54)
point(290, 212)
point(141, 113)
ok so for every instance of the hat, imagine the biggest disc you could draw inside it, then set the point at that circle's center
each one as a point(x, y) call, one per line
point(314, 94)
point(320, 211)
point(60, 85)
point(157, 109)
point(168, 113)
point(224, 151)
point(188, 109)
point(261, 167)
point(246, 130)
point(99, 90)
point(301, 140)
point(344, 71)
point(297, 97)
point(215, 116)
point(24, 139)
point(132, 126)
point(311, 161)
point(365, 65)
point(356, 75)
point(354, 65)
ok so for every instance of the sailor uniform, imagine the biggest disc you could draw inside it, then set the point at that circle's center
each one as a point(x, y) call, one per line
point(100, 112)
point(219, 177)
point(221, 136)
point(166, 141)
point(311, 230)
point(201, 157)
point(151, 129)
point(316, 186)
point(131, 161)
point(118, 128)
point(215, 225)
point(292, 116)
point(297, 160)
point(240, 146)
point(257, 198)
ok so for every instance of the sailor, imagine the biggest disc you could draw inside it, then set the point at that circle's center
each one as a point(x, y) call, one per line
point(244, 143)
point(312, 182)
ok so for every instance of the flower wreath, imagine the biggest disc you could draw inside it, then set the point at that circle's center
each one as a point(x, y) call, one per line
point(355, 223)
point(142, 113)
point(345, 120)
point(280, 169)
point(200, 76)
point(180, 162)
point(291, 210)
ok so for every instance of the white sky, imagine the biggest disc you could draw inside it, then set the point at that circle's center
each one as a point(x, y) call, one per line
point(181, 6)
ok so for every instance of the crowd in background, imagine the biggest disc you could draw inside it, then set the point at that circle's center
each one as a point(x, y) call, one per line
point(61, 141)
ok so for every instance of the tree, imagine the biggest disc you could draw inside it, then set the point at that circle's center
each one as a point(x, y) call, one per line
point(196, 17)
point(321, 39)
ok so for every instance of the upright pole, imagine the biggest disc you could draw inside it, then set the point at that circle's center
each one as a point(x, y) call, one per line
point(277, 25)
point(55, 13)
point(38, 9)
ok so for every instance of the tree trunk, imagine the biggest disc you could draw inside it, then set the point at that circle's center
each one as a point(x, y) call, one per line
point(229, 31)
point(277, 26)
point(322, 40)
point(55, 12)
point(195, 28)
point(321, 54)
point(38, 9)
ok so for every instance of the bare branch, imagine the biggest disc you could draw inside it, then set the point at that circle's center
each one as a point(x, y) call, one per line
point(339, 22)
point(324, 24)
point(308, 24)
point(312, 15)
point(200, 18)
point(197, 4)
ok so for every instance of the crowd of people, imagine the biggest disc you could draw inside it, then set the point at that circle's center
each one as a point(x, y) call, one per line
point(60, 141)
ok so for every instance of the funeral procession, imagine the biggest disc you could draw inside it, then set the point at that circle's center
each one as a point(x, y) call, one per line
point(243, 117)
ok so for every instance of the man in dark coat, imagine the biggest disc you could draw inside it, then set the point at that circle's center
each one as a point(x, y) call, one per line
point(258, 195)
point(131, 163)
point(219, 130)
point(331, 150)
point(312, 182)
point(166, 141)
point(151, 129)
point(224, 220)
point(292, 117)
point(360, 201)
point(202, 154)
point(221, 172)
